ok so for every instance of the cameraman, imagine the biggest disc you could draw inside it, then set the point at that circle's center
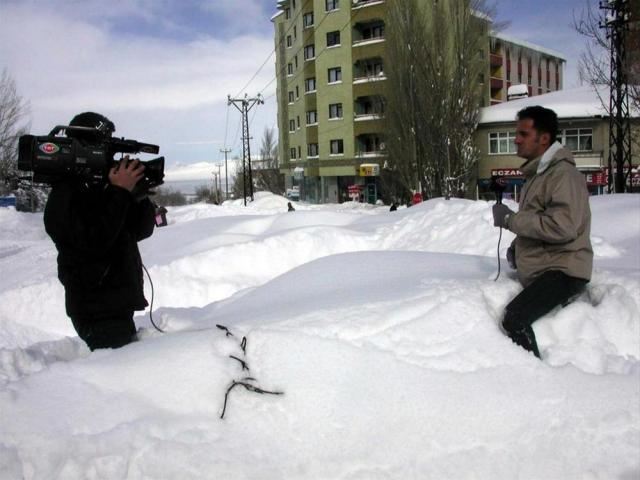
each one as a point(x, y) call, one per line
point(95, 227)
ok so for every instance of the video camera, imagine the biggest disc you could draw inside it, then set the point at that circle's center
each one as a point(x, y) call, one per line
point(83, 152)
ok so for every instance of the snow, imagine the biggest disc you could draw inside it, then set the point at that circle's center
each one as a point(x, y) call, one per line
point(381, 328)
point(580, 102)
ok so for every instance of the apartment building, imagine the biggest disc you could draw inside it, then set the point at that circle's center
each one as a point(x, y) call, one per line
point(330, 64)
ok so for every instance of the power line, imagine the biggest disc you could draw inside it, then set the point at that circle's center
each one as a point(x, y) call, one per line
point(272, 52)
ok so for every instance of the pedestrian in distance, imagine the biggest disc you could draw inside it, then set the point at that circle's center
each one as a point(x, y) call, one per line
point(290, 207)
point(96, 226)
point(552, 250)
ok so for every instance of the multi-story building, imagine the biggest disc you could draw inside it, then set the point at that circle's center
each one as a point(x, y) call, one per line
point(330, 67)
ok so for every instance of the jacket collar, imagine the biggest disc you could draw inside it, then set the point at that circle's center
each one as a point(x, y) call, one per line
point(555, 153)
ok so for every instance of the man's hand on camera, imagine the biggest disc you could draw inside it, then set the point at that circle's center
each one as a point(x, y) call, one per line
point(126, 173)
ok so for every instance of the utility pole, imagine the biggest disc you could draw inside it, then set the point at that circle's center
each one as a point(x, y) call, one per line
point(219, 184)
point(226, 177)
point(616, 24)
point(244, 105)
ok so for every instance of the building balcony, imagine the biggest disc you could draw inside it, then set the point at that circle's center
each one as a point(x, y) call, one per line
point(370, 145)
point(367, 117)
point(495, 60)
point(369, 105)
point(368, 70)
point(366, 33)
point(369, 78)
point(496, 83)
point(366, 3)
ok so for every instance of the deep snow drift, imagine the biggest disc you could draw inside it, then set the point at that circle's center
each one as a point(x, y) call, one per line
point(381, 328)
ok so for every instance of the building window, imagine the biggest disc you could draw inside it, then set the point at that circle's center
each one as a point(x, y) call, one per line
point(309, 52)
point(312, 117)
point(293, 4)
point(290, 69)
point(297, 92)
point(335, 110)
point(295, 61)
point(295, 32)
point(310, 84)
point(501, 143)
point(332, 5)
point(333, 38)
point(292, 125)
point(292, 153)
point(291, 97)
point(287, 13)
point(312, 150)
point(298, 121)
point(307, 20)
point(299, 152)
point(337, 147)
point(289, 42)
point(578, 139)
point(335, 75)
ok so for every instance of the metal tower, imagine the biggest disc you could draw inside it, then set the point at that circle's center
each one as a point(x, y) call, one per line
point(616, 23)
point(244, 105)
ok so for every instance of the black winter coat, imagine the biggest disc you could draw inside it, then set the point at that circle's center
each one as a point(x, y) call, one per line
point(96, 230)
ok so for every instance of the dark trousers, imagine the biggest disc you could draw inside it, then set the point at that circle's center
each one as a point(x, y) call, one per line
point(545, 293)
point(112, 330)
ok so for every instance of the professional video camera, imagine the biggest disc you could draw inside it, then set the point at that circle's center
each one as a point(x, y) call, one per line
point(84, 152)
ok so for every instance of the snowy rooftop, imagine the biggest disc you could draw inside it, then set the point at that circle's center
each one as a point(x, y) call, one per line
point(581, 102)
point(533, 46)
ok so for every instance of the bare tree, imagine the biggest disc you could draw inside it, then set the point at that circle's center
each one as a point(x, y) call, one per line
point(435, 59)
point(13, 124)
point(267, 174)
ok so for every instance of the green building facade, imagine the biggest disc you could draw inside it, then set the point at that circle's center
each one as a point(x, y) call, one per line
point(330, 57)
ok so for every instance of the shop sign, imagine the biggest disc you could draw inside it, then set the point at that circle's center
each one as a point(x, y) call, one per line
point(506, 172)
point(354, 191)
point(369, 170)
point(596, 179)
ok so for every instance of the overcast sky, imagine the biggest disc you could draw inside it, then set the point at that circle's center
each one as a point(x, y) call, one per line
point(161, 70)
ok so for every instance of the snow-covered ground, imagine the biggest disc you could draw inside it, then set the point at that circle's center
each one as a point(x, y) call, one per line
point(380, 328)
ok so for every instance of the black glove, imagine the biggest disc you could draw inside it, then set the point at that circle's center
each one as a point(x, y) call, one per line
point(500, 213)
point(511, 257)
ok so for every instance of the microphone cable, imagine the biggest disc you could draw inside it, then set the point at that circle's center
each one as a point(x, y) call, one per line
point(151, 306)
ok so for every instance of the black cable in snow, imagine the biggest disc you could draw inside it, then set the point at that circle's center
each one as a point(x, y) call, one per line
point(151, 306)
point(499, 239)
point(249, 387)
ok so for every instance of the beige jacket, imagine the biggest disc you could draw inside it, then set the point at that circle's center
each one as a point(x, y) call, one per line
point(553, 223)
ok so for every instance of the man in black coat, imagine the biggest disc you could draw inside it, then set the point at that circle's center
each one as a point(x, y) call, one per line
point(95, 227)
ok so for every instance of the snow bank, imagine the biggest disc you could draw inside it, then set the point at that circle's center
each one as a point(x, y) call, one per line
point(381, 328)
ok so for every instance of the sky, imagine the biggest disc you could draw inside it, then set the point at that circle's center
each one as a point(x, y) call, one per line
point(161, 70)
